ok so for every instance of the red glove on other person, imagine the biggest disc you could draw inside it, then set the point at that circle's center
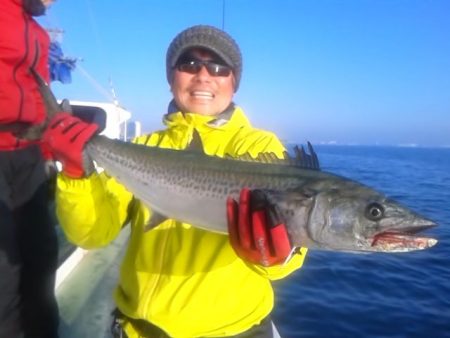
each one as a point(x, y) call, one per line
point(256, 232)
point(66, 136)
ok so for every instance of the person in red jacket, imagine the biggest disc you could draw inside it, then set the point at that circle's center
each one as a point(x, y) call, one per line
point(28, 242)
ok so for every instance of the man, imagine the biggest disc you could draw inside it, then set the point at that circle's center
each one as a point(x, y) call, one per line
point(177, 280)
point(28, 243)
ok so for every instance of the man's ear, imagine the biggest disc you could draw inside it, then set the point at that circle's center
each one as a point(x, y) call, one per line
point(171, 80)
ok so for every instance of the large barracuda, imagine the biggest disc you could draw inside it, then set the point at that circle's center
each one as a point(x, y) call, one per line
point(321, 210)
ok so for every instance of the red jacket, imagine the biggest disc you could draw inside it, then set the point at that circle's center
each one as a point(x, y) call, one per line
point(23, 44)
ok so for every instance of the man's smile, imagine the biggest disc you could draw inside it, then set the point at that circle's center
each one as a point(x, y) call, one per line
point(202, 94)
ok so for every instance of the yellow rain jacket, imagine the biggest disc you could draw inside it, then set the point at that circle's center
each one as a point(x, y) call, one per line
point(185, 280)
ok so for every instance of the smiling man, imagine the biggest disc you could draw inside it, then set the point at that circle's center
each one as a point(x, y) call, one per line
point(202, 83)
point(203, 75)
point(178, 280)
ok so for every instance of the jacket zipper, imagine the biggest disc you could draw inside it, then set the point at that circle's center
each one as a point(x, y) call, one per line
point(19, 64)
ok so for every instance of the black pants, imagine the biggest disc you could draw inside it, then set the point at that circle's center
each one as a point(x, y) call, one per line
point(28, 248)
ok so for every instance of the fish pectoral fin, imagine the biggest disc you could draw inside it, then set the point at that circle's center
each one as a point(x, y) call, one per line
point(155, 220)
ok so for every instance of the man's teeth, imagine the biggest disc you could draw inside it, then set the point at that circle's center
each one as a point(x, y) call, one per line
point(202, 94)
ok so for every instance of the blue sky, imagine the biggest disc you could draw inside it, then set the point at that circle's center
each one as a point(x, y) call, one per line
point(345, 71)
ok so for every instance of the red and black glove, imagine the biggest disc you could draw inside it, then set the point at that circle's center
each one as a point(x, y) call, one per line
point(257, 233)
point(66, 137)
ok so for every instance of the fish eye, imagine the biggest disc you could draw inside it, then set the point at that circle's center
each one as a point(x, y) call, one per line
point(374, 211)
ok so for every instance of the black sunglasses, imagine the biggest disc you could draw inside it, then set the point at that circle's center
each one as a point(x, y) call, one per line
point(193, 66)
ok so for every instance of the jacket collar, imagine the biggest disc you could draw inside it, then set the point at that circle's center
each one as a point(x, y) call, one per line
point(232, 117)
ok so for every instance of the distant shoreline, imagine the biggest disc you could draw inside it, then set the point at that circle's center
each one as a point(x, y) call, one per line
point(336, 144)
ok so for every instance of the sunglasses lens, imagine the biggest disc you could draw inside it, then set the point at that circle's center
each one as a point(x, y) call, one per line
point(215, 69)
point(194, 66)
point(191, 67)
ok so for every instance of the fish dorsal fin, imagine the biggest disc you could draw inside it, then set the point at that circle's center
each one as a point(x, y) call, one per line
point(306, 159)
point(270, 158)
point(196, 143)
point(302, 158)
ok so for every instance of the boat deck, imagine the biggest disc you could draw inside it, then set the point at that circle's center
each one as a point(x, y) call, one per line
point(85, 295)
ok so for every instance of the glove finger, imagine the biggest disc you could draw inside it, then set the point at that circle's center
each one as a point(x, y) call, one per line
point(244, 225)
point(261, 201)
point(273, 215)
point(280, 244)
point(72, 132)
point(61, 120)
point(86, 133)
point(57, 133)
point(260, 236)
point(79, 131)
point(258, 199)
point(232, 220)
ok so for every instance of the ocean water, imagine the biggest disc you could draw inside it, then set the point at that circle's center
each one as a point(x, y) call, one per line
point(377, 295)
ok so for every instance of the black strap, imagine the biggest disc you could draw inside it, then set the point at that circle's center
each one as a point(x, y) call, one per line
point(147, 329)
point(144, 328)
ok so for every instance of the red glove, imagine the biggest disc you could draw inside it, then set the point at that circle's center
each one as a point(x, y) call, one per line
point(256, 232)
point(66, 137)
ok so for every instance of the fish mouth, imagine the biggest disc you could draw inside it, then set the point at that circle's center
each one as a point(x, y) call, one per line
point(403, 240)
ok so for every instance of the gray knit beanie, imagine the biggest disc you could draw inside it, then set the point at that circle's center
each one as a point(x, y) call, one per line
point(210, 38)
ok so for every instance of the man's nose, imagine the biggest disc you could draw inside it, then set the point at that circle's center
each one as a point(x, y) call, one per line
point(203, 71)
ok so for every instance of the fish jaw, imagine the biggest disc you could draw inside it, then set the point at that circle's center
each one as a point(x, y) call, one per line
point(397, 242)
point(386, 241)
point(404, 239)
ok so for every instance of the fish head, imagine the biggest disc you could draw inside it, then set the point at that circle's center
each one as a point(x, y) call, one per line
point(352, 217)
point(343, 215)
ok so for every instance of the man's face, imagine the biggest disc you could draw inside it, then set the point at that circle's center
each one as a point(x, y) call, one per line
point(200, 92)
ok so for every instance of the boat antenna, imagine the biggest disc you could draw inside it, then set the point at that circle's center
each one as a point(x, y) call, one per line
point(95, 84)
point(113, 92)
